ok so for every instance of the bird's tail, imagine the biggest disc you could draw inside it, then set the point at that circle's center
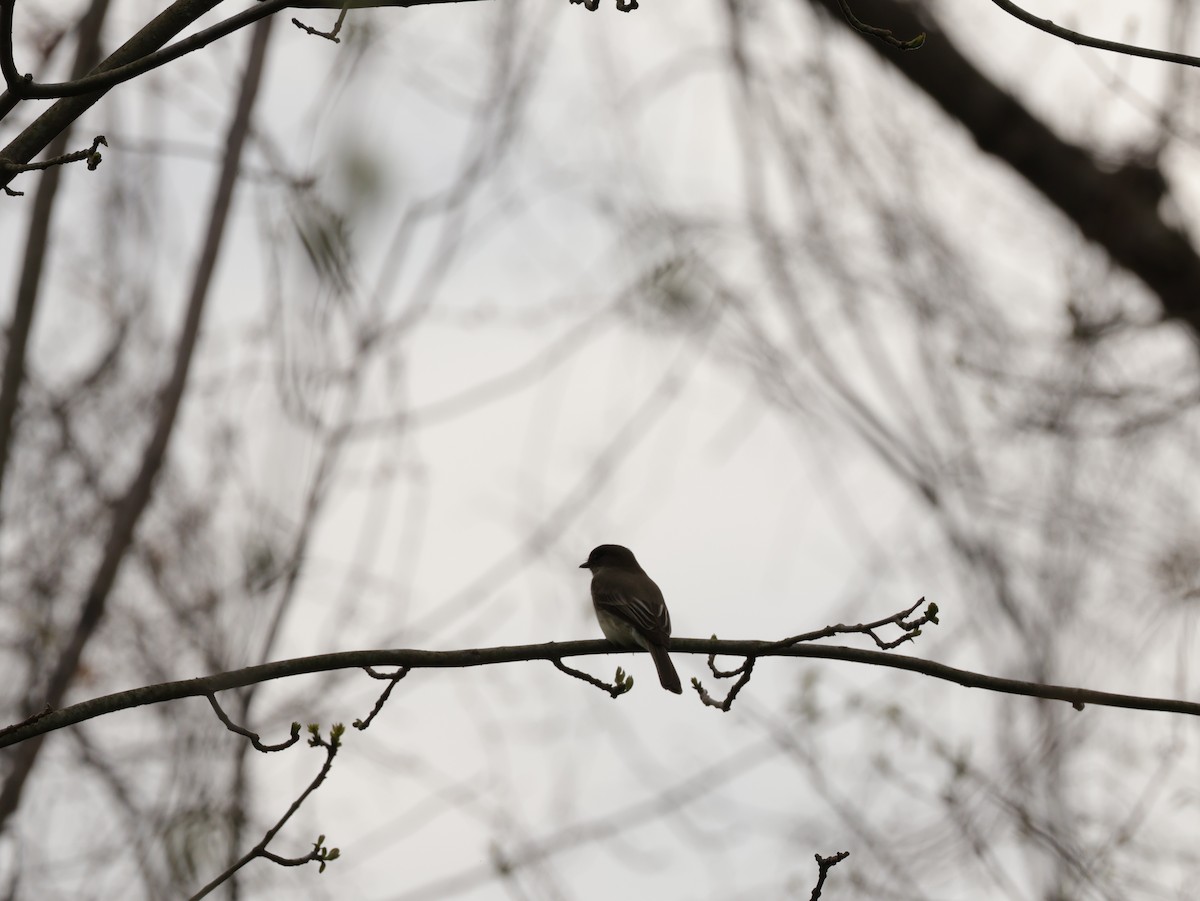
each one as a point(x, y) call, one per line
point(666, 669)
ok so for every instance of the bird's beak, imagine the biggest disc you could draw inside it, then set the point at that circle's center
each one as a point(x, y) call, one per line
point(583, 566)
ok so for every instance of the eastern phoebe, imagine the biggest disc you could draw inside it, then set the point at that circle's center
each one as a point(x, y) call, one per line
point(630, 608)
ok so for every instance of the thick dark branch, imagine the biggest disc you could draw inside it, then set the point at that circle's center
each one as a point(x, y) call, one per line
point(25, 88)
point(471, 657)
point(1109, 208)
point(33, 139)
point(144, 51)
point(107, 76)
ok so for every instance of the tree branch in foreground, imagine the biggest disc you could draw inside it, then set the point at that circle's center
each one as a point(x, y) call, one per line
point(909, 631)
point(884, 34)
point(1086, 40)
point(319, 853)
point(472, 657)
point(391, 680)
point(92, 155)
point(105, 77)
point(147, 49)
point(1105, 206)
point(825, 864)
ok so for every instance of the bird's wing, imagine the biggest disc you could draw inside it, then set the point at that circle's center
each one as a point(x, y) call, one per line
point(645, 609)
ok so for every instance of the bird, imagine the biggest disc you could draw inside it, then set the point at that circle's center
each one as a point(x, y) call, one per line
point(630, 608)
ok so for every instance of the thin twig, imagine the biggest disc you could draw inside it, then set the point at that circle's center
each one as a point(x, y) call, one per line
point(911, 628)
point(253, 736)
point(92, 155)
point(332, 34)
point(1086, 40)
point(883, 34)
point(746, 670)
point(392, 679)
point(623, 683)
point(725, 674)
point(319, 851)
point(825, 864)
point(25, 88)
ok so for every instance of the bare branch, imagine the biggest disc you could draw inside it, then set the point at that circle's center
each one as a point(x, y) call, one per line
point(25, 88)
point(472, 657)
point(745, 671)
point(319, 852)
point(332, 34)
point(28, 721)
point(254, 737)
point(883, 34)
point(54, 121)
point(825, 864)
point(625, 6)
point(910, 629)
point(140, 54)
point(391, 680)
point(1085, 40)
point(92, 155)
point(622, 682)
point(1127, 225)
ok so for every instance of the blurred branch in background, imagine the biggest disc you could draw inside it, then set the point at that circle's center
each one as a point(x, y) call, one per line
point(128, 511)
point(1105, 206)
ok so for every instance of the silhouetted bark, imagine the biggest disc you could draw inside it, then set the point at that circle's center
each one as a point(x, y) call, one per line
point(1112, 208)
